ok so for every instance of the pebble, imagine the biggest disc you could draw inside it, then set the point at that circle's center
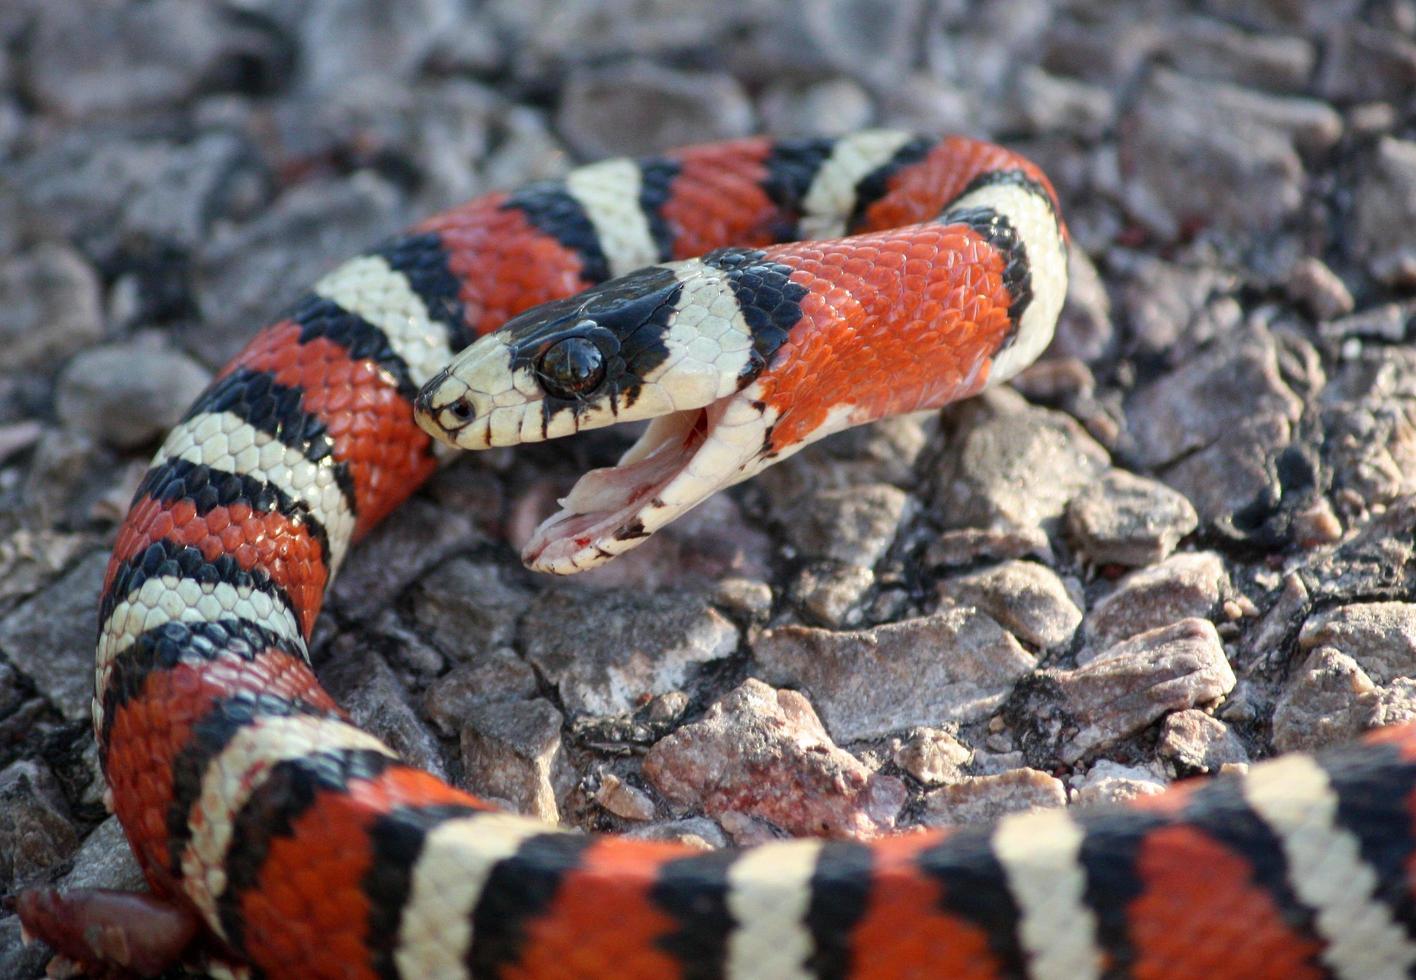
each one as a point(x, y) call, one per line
point(1385, 210)
point(1199, 742)
point(1182, 586)
point(128, 394)
point(820, 108)
point(1209, 48)
point(1029, 600)
point(762, 753)
point(511, 750)
point(53, 307)
point(1124, 519)
point(1312, 283)
point(623, 799)
point(35, 834)
point(956, 665)
point(1380, 636)
point(466, 607)
point(344, 40)
point(1137, 681)
point(1046, 103)
point(1365, 63)
point(638, 108)
point(605, 652)
point(497, 674)
point(1109, 782)
point(699, 833)
point(932, 756)
point(966, 546)
point(831, 593)
point(981, 799)
point(854, 525)
point(1330, 700)
point(49, 638)
point(1015, 471)
point(1173, 308)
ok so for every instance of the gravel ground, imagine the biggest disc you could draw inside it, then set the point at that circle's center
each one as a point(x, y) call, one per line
point(1183, 542)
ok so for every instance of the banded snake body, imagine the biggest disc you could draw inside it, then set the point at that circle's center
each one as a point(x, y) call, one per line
point(747, 298)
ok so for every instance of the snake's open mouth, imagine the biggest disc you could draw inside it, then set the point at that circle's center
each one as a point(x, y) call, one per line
point(681, 459)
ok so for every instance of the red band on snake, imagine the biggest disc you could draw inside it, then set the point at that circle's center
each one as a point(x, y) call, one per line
point(748, 297)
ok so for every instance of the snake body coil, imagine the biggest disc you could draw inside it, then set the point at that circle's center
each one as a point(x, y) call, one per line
point(748, 297)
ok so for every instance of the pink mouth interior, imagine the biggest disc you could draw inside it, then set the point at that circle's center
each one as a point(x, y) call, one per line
point(604, 504)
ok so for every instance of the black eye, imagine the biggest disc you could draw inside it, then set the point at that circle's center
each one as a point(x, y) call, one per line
point(571, 368)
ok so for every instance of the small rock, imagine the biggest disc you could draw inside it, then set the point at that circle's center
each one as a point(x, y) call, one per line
point(1379, 636)
point(762, 753)
point(1172, 308)
point(105, 860)
point(607, 651)
point(696, 832)
point(1312, 283)
point(467, 606)
point(1016, 471)
point(1110, 782)
point(624, 800)
point(1384, 212)
point(342, 40)
point(751, 598)
point(1182, 586)
point(932, 756)
point(1138, 680)
point(1045, 103)
point(35, 832)
point(1202, 47)
point(1364, 63)
point(854, 525)
point(1027, 599)
point(511, 750)
point(53, 307)
point(1330, 700)
point(826, 108)
point(1208, 397)
point(129, 393)
point(831, 593)
point(956, 665)
point(496, 675)
point(1124, 519)
point(377, 702)
point(640, 108)
point(1199, 742)
point(980, 799)
point(968, 546)
point(49, 638)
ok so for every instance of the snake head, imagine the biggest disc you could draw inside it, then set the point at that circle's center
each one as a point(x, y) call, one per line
point(666, 343)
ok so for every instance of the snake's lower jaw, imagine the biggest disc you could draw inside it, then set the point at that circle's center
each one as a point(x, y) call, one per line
point(681, 459)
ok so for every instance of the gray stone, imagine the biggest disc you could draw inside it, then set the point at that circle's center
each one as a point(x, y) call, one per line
point(1182, 586)
point(511, 750)
point(467, 607)
point(1210, 155)
point(497, 674)
point(1364, 63)
point(1046, 103)
point(624, 800)
point(865, 38)
point(763, 754)
point(1027, 599)
point(831, 592)
point(127, 394)
point(249, 274)
point(1329, 701)
point(1385, 212)
point(981, 799)
point(854, 525)
point(967, 546)
point(342, 40)
point(1109, 782)
point(882, 452)
point(1199, 742)
point(956, 665)
point(1287, 15)
point(1312, 283)
point(105, 860)
point(1124, 519)
point(640, 108)
point(1208, 397)
point(699, 833)
point(1172, 308)
point(1236, 476)
point(377, 702)
point(744, 597)
point(1016, 471)
point(819, 108)
point(1202, 47)
point(52, 303)
point(50, 638)
point(605, 652)
point(1137, 681)
point(932, 756)
point(35, 831)
point(1379, 636)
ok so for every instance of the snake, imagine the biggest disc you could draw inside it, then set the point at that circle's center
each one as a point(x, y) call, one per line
point(744, 298)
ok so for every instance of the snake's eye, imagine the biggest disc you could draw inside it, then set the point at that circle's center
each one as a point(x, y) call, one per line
point(571, 367)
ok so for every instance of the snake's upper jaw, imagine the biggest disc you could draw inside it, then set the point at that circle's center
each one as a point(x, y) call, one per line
point(681, 459)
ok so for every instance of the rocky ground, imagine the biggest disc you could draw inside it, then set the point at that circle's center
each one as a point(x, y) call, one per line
point(1183, 543)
